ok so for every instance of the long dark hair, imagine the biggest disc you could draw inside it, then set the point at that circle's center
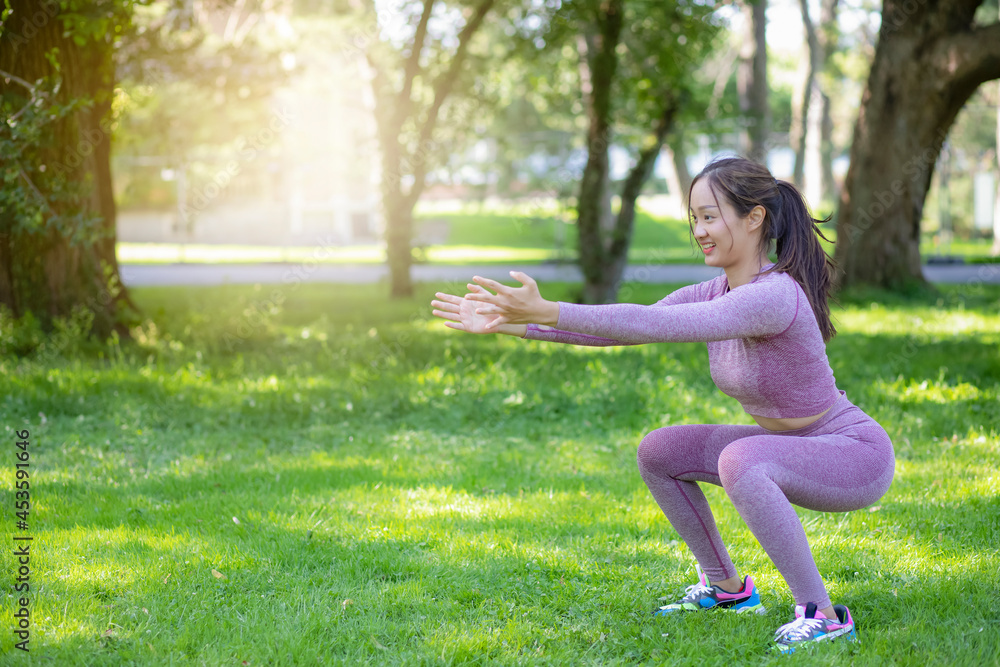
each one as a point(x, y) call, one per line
point(788, 223)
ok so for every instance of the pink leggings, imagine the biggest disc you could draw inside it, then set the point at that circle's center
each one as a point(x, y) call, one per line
point(843, 461)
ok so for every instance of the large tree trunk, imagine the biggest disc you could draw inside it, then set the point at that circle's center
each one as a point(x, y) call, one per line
point(681, 176)
point(588, 44)
point(803, 97)
point(996, 205)
point(752, 80)
point(603, 247)
point(601, 62)
point(811, 126)
point(827, 35)
point(828, 185)
point(50, 269)
point(930, 59)
point(616, 258)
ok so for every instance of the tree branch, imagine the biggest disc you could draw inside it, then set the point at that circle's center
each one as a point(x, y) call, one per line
point(443, 86)
point(35, 95)
point(380, 88)
point(15, 78)
point(235, 13)
point(969, 58)
point(639, 174)
point(412, 67)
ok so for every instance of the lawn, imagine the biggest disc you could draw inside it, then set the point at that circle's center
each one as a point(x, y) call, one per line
point(319, 476)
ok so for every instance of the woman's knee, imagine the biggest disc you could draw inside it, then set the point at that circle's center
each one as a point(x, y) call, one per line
point(654, 452)
point(672, 450)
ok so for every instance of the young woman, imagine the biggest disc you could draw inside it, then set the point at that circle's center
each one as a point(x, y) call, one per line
point(766, 325)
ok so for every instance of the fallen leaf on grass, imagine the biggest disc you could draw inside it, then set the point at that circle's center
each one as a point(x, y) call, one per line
point(236, 521)
point(345, 603)
point(165, 578)
point(218, 575)
point(377, 645)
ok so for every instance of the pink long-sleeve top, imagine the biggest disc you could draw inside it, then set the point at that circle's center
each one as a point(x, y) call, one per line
point(765, 348)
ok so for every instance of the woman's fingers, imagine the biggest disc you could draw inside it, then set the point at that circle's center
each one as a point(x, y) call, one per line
point(477, 293)
point(447, 315)
point(491, 284)
point(451, 306)
point(450, 298)
point(483, 296)
point(523, 278)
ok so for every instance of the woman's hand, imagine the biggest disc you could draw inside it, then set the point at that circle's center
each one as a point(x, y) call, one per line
point(512, 305)
point(461, 314)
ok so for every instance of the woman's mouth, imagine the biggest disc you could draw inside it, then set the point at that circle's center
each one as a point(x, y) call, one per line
point(707, 247)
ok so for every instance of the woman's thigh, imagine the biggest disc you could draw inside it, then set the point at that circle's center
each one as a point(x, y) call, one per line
point(827, 473)
point(690, 452)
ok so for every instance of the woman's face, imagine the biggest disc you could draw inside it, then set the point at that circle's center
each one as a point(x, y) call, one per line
point(725, 238)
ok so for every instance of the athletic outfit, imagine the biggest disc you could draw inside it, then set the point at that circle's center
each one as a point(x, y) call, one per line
point(765, 350)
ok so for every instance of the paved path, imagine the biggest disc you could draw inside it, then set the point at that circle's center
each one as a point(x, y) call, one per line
point(137, 275)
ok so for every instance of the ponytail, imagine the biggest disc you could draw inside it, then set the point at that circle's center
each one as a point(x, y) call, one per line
point(800, 254)
point(746, 184)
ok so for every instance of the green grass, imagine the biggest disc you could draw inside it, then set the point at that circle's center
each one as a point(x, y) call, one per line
point(376, 489)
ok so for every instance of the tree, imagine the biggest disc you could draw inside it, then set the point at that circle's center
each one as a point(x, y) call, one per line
point(412, 81)
point(995, 251)
point(811, 123)
point(645, 56)
point(752, 79)
point(57, 227)
point(930, 58)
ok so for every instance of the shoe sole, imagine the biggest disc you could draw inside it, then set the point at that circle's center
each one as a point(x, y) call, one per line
point(757, 609)
point(843, 635)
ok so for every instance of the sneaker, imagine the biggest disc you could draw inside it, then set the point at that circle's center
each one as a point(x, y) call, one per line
point(704, 596)
point(811, 626)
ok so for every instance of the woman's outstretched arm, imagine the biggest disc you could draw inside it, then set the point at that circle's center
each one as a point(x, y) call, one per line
point(761, 308)
point(461, 314)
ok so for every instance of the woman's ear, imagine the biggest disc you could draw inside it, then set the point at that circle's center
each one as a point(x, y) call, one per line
point(756, 218)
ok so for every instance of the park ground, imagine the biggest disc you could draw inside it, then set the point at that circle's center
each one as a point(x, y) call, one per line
point(311, 474)
point(502, 235)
